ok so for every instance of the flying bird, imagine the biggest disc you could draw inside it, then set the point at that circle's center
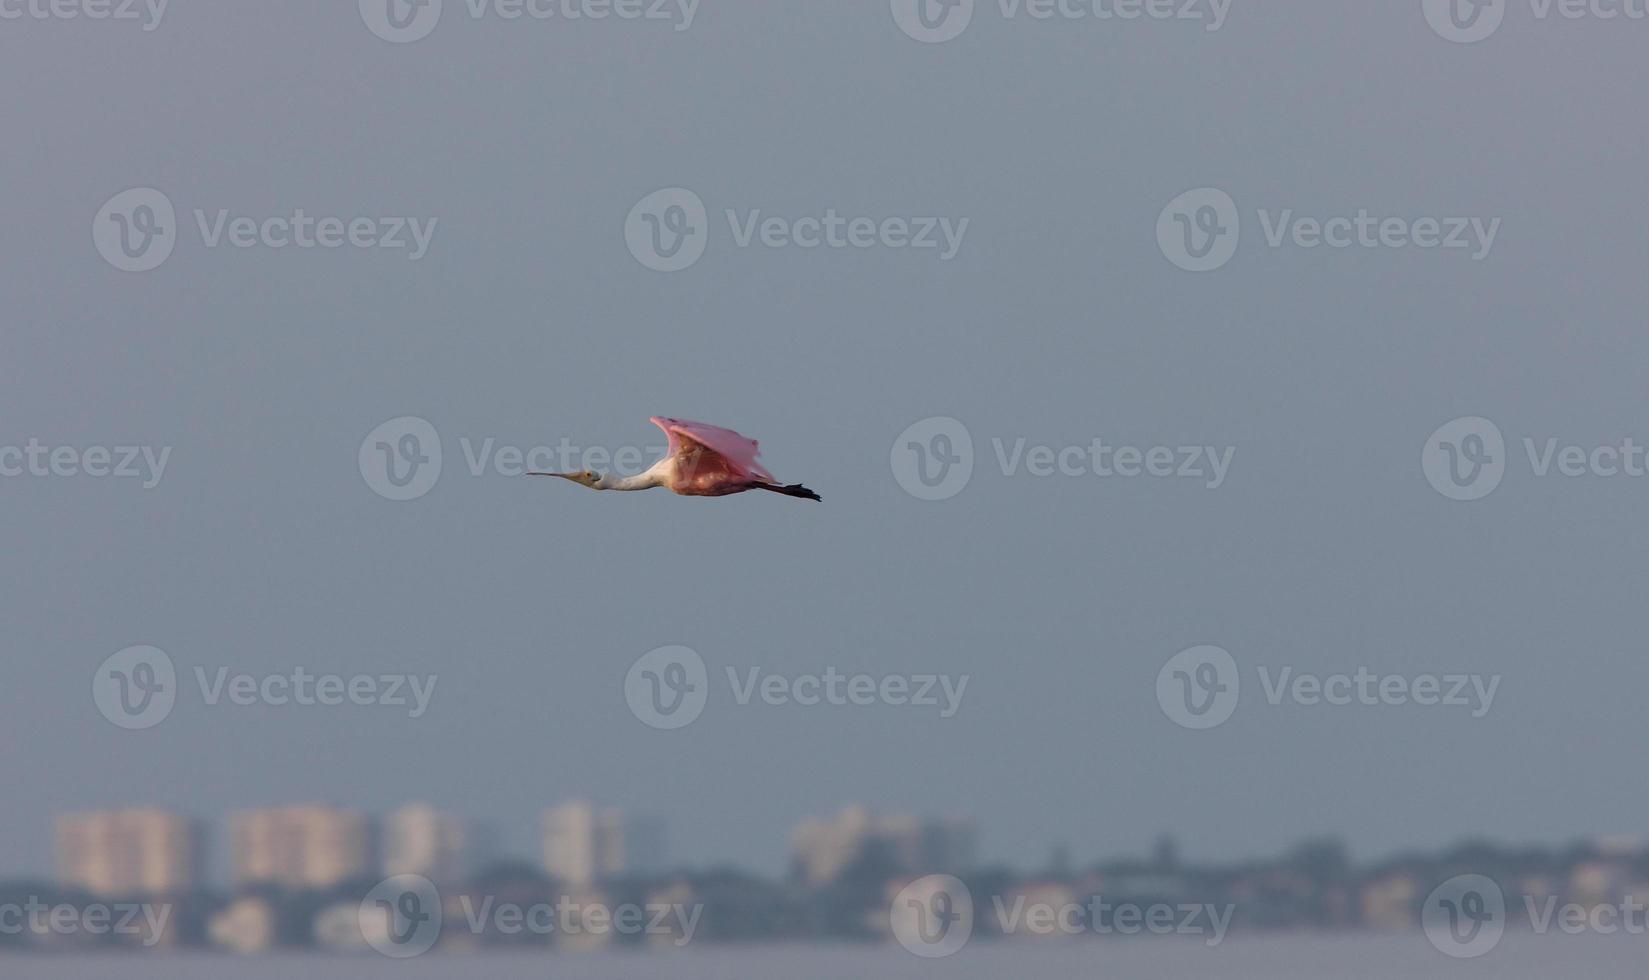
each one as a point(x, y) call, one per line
point(702, 461)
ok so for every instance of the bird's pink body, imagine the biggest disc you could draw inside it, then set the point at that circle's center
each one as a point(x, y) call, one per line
point(703, 461)
point(707, 460)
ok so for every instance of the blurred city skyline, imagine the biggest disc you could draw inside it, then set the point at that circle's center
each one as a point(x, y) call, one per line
point(580, 841)
point(308, 877)
point(1229, 428)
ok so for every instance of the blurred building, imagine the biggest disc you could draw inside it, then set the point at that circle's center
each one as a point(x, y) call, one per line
point(583, 844)
point(420, 840)
point(1391, 900)
point(1598, 881)
point(1034, 894)
point(246, 925)
point(1626, 846)
point(143, 851)
point(306, 846)
point(823, 848)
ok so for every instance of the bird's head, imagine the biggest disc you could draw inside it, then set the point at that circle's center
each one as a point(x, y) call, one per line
point(586, 478)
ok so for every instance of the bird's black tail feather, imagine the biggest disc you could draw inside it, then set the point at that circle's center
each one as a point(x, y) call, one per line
point(793, 490)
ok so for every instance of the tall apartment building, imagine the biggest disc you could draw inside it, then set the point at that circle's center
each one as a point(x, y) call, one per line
point(583, 844)
point(823, 848)
point(420, 840)
point(140, 851)
point(305, 846)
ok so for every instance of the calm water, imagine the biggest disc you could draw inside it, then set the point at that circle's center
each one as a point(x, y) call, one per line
point(1274, 958)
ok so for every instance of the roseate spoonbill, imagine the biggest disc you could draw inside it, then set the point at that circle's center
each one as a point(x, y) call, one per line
point(703, 461)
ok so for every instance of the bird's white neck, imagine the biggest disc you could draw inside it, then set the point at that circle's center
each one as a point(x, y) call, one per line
point(641, 481)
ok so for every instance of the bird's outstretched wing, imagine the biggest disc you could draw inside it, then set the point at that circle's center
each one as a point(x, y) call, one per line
point(738, 452)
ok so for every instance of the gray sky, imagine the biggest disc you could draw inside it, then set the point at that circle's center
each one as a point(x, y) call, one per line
point(1059, 320)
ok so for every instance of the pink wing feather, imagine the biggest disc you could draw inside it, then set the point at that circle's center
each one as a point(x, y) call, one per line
point(736, 449)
